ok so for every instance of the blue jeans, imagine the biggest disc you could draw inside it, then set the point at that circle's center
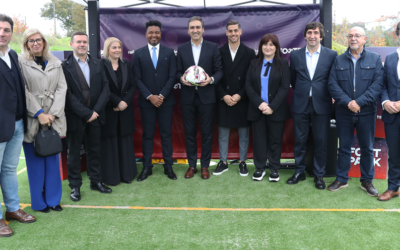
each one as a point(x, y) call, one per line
point(365, 127)
point(9, 159)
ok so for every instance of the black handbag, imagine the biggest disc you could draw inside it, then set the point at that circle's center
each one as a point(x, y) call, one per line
point(47, 142)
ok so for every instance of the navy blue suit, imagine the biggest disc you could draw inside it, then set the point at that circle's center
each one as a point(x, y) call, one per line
point(316, 111)
point(199, 102)
point(9, 100)
point(156, 81)
point(391, 92)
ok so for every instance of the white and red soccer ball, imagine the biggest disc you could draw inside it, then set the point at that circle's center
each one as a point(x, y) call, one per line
point(195, 75)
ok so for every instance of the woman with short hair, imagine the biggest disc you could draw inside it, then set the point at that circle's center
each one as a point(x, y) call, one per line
point(118, 161)
point(45, 89)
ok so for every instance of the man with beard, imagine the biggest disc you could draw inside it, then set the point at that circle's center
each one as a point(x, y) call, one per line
point(232, 99)
point(154, 66)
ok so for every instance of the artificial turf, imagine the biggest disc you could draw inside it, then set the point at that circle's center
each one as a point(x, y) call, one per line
point(100, 228)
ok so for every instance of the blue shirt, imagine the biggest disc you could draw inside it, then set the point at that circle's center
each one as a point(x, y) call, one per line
point(196, 52)
point(312, 61)
point(354, 64)
point(85, 68)
point(264, 80)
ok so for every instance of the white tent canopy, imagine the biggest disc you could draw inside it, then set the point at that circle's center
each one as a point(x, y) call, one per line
point(184, 3)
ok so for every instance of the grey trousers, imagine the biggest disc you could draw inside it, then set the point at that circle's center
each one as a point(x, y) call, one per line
point(223, 140)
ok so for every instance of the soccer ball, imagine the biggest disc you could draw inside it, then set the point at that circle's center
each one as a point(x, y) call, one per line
point(195, 75)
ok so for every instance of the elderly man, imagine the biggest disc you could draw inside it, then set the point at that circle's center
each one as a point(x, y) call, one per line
point(355, 82)
point(12, 126)
point(391, 118)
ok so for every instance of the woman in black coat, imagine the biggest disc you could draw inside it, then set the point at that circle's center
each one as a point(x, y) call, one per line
point(118, 161)
point(267, 83)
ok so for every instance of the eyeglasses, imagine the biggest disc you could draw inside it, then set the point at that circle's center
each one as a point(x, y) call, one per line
point(39, 40)
point(356, 36)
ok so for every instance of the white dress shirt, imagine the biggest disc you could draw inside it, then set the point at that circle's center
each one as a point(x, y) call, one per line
point(196, 52)
point(6, 56)
point(233, 54)
point(151, 50)
point(312, 61)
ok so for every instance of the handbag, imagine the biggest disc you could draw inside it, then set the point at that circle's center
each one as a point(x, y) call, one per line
point(47, 142)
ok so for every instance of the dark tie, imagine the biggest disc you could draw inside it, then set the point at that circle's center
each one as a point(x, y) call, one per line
point(268, 64)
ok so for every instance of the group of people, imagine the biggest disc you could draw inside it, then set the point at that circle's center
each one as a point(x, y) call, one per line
point(90, 100)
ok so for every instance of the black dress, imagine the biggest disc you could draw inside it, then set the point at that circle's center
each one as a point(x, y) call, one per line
point(118, 161)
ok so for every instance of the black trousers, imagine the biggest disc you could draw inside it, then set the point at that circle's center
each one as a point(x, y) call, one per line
point(205, 113)
point(267, 140)
point(91, 135)
point(320, 130)
point(149, 121)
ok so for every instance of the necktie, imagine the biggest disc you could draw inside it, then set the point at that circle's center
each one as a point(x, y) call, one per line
point(154, 57)
point(268, 64)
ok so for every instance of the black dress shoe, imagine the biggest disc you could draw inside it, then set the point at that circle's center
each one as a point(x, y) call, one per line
point(296, 177)
point(127, 182)
point(319, 182)
point(75, 194)
point(45, 210)
point(100, 187)
point(169, 172)
point(57, 208)
point(146, 172)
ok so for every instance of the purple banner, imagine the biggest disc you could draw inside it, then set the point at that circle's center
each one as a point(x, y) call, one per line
point(128, 25)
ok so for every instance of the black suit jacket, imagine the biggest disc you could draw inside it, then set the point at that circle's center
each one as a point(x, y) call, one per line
point(76, 111)
point(301, 81)
point(122, 121)
point(233, 82)
point(157, 81)
point(278, 86)
point(9, 101)
point(210, 61)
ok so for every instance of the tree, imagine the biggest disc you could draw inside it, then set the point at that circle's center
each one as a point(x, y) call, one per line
point(340, 32)
point(376, 37)
point(19, 25)
point(70, 14)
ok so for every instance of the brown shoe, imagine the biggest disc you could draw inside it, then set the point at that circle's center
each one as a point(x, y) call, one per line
point(5, 230)
point(387, 195)
point(20, 216)
point(190, 172)
point(204, 173)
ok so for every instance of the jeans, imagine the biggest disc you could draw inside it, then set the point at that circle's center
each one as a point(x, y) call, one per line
point(9, 159)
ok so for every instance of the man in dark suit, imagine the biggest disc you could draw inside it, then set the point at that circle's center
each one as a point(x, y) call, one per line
point(198, 101)
point(311, 103)
point(232, 99)
point(391, 117)
point(12, 127)
point(154, 66)
point(87, 96)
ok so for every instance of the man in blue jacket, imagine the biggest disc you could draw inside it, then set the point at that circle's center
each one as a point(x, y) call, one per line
point(311, 103)
point(391, 117)
point(355, 82)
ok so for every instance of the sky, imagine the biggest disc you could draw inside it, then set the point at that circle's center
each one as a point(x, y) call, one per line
point(354, 10)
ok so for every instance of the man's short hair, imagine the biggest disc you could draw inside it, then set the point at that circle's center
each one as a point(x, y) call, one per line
point(398, 29)
point(153, 23)
point(313, 26)
point(232, 22)
point(5, 18)
point(78, 33)
point(196, 18)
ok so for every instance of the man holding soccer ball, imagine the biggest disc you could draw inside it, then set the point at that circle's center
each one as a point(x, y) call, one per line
point(198, 99)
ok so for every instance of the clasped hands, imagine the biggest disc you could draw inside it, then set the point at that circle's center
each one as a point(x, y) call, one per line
point(392, 107)
point(232, 100)
point(156, 100)
point(354, 107)
point(121, 106)
point(265, 109)
point(46, 119)
point(203, 83)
